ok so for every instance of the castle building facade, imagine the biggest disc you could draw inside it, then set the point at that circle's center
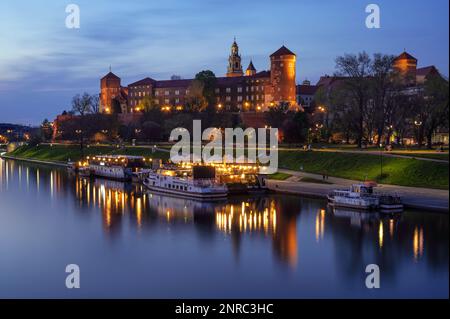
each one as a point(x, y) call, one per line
point(252, 91)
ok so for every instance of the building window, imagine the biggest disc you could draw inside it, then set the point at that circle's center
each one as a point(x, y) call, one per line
point(239, 89)
point(177, 101)
point(217, 90)
point(157, 93)
point(167, 101)
point(177, 92)
point(239, 98)
point(228, 98)
point(228, 90)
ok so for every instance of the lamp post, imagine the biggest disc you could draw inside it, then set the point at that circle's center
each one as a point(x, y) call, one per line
point(418, 124)
point(80, 133)
point(381, 161)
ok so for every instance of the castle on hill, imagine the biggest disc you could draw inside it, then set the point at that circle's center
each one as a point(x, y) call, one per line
point(237, 90)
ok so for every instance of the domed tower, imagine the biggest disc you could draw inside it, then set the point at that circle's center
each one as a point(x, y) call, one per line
point(282, 76)
point(234, 61)
point(250, 69)
point(406, 65)
point(109, 89)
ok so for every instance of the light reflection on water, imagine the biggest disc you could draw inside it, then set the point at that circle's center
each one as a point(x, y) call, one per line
point(256, 246)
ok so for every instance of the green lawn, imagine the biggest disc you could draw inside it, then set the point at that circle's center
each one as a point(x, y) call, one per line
point(438, 156)
point(64, 153)
point(397, 171)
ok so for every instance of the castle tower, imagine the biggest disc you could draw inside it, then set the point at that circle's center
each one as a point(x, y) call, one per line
point(282, 76)
point(250, 69)
point(109, 89)
point(234, 61)
point(406, 65)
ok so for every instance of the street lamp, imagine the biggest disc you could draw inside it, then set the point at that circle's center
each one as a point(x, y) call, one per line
point(381, 161)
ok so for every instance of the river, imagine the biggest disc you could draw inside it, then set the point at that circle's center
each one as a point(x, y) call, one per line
point(130, 244)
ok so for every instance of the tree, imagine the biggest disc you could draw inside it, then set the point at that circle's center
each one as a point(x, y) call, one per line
point(208, 79)
point(46, 130)
point(435, 110)
point(382, 90)
point(276, 114)
point(195, 100)
point(81, 104)
point(356, 69)
point(95, 104)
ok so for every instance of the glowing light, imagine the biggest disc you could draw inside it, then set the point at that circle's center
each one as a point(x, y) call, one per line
point(380, 234)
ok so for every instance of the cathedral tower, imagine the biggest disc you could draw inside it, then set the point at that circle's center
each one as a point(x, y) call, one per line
point(234, 61)
point(282, 76)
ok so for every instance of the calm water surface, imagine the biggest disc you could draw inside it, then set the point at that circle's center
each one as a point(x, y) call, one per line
point(151, 246)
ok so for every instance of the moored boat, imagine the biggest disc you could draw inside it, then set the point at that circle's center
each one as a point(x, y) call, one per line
point(198, 183)
point(362, 196)
point(117, 167)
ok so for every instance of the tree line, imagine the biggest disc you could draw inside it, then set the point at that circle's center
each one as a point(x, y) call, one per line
point(371, 102)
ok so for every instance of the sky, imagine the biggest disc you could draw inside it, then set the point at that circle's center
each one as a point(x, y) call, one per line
point(43, 64)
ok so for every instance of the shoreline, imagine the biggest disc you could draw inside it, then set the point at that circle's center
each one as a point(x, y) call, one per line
point(320, 191)
point(35, 161)
point(310, 190)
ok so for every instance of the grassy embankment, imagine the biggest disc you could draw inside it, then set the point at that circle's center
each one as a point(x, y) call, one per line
point(397, 171)
point(64, 153)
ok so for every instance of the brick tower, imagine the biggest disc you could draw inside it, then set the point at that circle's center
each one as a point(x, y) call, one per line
point(406, 65)
point(282, 76)
point(109, 89)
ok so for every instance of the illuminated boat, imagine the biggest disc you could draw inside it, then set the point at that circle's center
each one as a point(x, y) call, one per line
point(362, 196)
point(359, 196)
point(117, 167)
point(196, 183)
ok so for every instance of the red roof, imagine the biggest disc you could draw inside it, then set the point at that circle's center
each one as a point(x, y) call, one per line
point(427, 71)
point(282, 51)
point(146, 81)
point(110, 75)
point(306, 89)
point(405, 56)
point(173, 83)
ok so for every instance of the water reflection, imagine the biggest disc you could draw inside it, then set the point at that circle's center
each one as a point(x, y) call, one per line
point(297, 232)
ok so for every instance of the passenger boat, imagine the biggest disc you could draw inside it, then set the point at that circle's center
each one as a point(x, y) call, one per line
point(196, 183)
point(117, 167)
point(359, 196)
point(362, 196)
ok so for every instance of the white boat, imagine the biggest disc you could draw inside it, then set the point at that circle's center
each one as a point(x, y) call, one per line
point(359, 196)
point(200, 185)
point(362, 196)
point(118, 167)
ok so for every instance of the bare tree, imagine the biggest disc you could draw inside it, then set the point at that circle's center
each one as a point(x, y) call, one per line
point(95, 104)
point(356, 69)
point(81, 104)
point(436, 107)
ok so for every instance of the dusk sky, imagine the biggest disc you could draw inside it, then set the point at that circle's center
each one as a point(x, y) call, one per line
point(43, 64)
